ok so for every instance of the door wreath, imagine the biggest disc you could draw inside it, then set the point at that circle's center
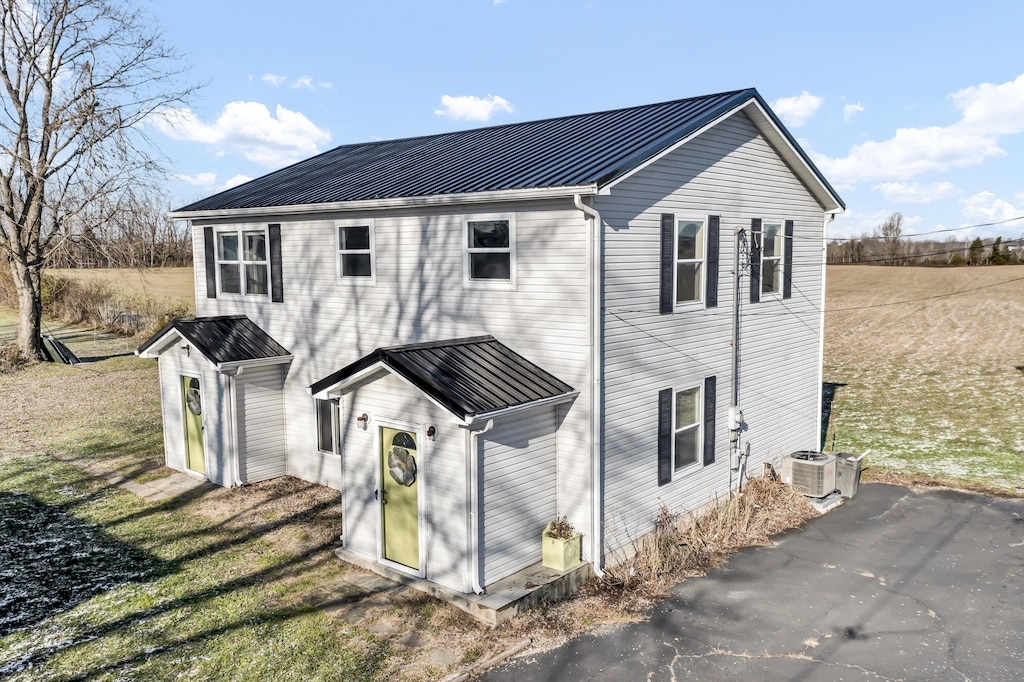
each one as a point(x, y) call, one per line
point(402, 465)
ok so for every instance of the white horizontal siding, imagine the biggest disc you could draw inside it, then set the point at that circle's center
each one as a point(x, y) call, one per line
point(261, 426)
point(442, 477)
point(518, 472)
point(419, 296)
point(729, 171)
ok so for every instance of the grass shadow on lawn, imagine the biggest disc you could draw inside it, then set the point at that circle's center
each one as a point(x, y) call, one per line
point(50, 561)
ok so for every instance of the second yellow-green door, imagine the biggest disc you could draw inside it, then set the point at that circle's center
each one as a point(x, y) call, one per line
point(400, 497)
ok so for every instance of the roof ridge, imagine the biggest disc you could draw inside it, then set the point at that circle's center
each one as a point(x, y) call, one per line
point(444, 343)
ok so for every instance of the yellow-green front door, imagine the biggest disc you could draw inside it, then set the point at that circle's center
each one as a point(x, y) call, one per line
point(192, 407)
point(400, 497)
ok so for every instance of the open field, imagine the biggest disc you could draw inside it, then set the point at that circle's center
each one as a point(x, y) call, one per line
point(934, 362)
point(166, 284)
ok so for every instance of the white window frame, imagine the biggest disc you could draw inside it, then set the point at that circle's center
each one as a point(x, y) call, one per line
point(239, 231)
point(369, 223)
point(699, 426)
point(779, 258)
point(470, 283)
point(702, 260)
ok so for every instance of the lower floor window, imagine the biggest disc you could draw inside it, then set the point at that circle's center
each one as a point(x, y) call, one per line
point(325, 426)
point(686, 428)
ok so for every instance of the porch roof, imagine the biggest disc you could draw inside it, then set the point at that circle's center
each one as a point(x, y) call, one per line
point(227, 340)
point(469, 377)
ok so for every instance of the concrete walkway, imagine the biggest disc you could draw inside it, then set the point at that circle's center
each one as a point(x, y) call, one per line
point(893, 585)
point(164, 488)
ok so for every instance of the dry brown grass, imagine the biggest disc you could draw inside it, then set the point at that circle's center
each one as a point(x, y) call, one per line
point(165, 284)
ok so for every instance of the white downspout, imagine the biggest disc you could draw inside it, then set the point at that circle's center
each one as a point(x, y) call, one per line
point(594, 253)
point(236, 477)
point(472, 452)
point(829, 217)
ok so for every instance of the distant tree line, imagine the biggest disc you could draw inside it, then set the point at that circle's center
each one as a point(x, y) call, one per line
point(889, 245)
point(130, 230)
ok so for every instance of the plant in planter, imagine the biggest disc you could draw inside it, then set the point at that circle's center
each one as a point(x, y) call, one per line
point(561, 545)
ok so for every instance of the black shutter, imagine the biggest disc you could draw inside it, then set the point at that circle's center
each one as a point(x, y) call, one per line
point(211, 262)
point(709, 420)
point(755, 260)
point(668, 260)
point(787, 260)
point(711, 284)
point(665, 436)
point(276, 283)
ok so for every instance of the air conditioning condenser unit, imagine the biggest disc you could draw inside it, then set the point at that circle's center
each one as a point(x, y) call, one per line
point(810, 473)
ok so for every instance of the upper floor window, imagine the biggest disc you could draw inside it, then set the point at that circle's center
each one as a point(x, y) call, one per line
point(242, 264)
point(490, 249)
point(689, 261)
point(772, 263)
point(355, 250)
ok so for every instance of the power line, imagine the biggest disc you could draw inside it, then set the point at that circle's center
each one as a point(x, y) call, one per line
point(924, 234)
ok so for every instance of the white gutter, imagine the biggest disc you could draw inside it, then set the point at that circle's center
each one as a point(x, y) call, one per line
point(255, 362)
point(236, 476)
point(482, 417)
point(829, 217)
point(473, 511)
point(397, 202)
point(595, 325)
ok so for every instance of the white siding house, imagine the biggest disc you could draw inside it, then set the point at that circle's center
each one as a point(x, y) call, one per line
point(471, 334)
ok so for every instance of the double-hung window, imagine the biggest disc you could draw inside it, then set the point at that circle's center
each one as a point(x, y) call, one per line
point(490, 250)
point(689, 261)
point(772, 263)
point(242, 263)
point(686, 428)
point(355, 250)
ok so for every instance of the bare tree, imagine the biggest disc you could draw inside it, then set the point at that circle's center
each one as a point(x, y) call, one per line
point(891, 234)
point(78, 79)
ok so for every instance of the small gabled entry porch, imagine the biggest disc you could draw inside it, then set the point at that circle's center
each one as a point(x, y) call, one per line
point(449, 469)
point(221, 386)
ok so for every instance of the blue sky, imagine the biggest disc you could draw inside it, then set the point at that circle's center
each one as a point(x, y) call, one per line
point(905, 106)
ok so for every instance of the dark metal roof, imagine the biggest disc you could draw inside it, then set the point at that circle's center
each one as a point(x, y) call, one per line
point(228, 338)
point(467, 376)
point(557, 152)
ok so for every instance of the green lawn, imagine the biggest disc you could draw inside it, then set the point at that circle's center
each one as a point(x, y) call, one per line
point(98, 583)
point(934, 384)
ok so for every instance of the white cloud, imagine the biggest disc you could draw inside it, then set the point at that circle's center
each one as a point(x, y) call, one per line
point(472, 108)
point(235, 181)
point(796, 111)
point(988, 112)
point(986, 207)
point(199, 179)
point(326, 85)
point(273, 79)
point(915, 193)
point(303, 82)
point(850, 110)
point(249, 129)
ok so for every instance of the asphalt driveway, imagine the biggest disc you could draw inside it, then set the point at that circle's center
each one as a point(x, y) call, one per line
point(893, 585)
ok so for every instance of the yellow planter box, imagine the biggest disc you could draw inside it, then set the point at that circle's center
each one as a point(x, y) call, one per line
point(560, 555)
